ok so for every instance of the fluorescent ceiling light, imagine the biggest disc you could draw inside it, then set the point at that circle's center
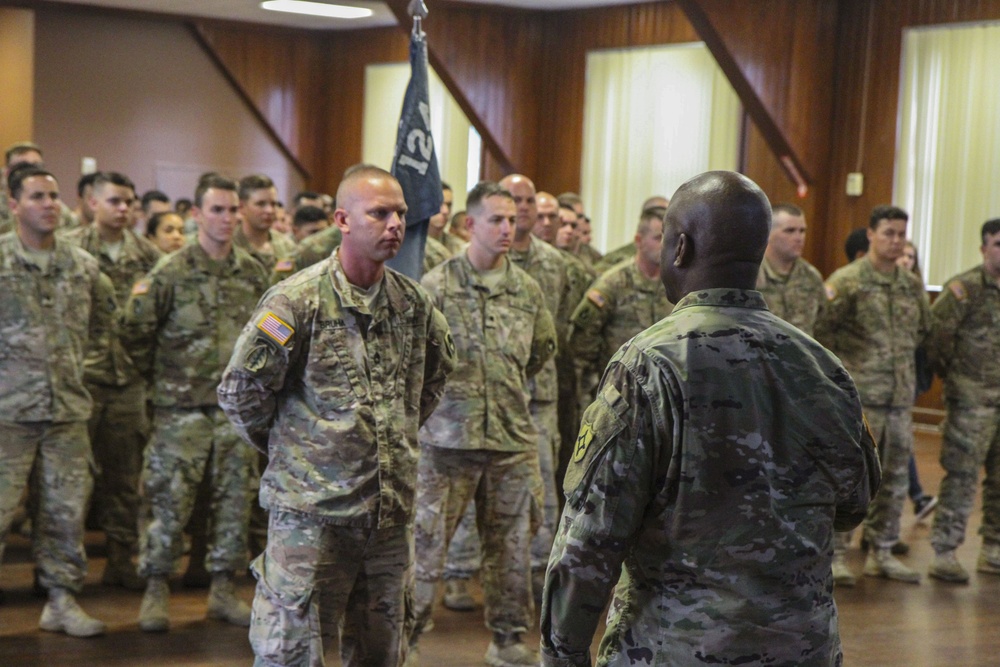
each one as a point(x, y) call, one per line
point(316, 9)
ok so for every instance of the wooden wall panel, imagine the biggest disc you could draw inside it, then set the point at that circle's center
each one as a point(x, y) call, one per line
point(567, 37)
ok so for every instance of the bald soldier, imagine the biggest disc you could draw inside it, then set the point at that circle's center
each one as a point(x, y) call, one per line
point(331, 377)
point(792, 287)
point(723, 449)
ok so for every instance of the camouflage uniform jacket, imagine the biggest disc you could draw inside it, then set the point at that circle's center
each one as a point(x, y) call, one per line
point(616, 256)
point(546, 265)
point(335, 393)
point(46, 320)
point(723, 450)
point(618, 305)
point(182, 320)
point(965, 336)
point(453, 243)
point(874, 322)
point(502, 338)
point(589, 256)
point(282, 248)
point(434, 253)
point(107, 363)
point(311, 250)
point(798, 298)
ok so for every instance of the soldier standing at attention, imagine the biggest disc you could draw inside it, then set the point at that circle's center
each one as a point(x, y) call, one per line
point(792, 287)
point(180, 326)
point(118, 425)
point(331, 377)
point(629, 298)
point(965, 335)
point(259, 212)
point(481, 442)
point(723, 449)
point(876, 317)
point(53, 298)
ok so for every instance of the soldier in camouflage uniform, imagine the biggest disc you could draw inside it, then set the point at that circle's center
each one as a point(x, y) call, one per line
point(20, 154)
point(53, 298)
point(481, 442)
point(332, 377)
point(876, 316)
point(258, 213)
point(435, 252)
point(312, 250)
point(627, 299)
point(723, 449)
point(792, 287)
point(965, 336)
point(118, 425)
point(180, 326)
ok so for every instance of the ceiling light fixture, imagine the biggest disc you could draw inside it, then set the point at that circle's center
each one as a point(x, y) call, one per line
point(316, 9)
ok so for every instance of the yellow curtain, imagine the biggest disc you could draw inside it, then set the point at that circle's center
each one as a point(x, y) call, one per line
point(653, 118)
point(948, 151)
point(455, 140)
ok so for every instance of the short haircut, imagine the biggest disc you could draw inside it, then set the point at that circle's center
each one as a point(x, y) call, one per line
point(156, 219)
point(483, 190)
point(445, 186)
point(307, 215)
point(252, 183)
point(990, 227)
point(356, 173)
point(305, 194)
point(113, 178)
point(20, 148)
point(649, 214)
point(458, 219)
point(785, 207)
point(16, 178)
point(857, 242)
point(570, 199)
point(567, 206)
point(182, 206)
point(212, 181)
point(85, 181)
point(887, 213)
point(153, 195)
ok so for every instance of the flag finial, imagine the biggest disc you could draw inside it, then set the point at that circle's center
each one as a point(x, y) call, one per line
point(418, 10)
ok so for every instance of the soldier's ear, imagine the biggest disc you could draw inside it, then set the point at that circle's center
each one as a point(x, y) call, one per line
point(683, 251)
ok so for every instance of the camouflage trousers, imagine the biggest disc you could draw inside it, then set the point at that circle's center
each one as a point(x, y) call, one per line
point(118, 432)
point(506, 490)
point(464, 551)
point(186, 446)
point(892, 429)
point(57, 457)
point(314, 578)
point(971, 441)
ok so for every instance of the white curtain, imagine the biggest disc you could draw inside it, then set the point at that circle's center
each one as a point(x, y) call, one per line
point(455, 140)
point(653, 118)
point(948, 151)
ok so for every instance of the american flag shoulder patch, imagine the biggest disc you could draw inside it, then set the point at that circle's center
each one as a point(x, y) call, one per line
point(284, 266)
point(597, 298)
point(274, 327)
point(140, 287)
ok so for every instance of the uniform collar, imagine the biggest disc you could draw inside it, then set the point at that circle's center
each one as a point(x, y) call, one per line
point(723, 297)
point(387, 300)
point(62, 258)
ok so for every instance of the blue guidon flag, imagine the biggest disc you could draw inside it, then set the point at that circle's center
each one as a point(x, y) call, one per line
point(414, 163)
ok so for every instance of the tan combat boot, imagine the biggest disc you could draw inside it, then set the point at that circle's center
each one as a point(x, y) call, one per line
point(457, 596)
point(63, 614)
point(881, 563)
point(947, 568)
point(153, 616)
point(119, 570)
point(223, 604)
point(510, 651)
point(842, 575)
point(989, 559)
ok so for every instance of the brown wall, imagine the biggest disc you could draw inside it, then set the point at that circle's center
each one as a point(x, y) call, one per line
point(142, 97)
point(17, 66)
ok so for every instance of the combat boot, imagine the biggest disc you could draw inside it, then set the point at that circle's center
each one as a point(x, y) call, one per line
point(947, 568)
point(989, 559)
point(153, 616)
point(457, 596)
point(412, 657)
point(509, 651)
point(842, 575)
point(881, 563)
point(223, 604)
point(63, 614)
point(119, 570)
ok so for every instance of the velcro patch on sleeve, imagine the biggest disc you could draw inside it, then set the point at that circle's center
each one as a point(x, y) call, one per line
point(597, 298)
point(276, 328)
point(958, 289)
point(284, 265)
point(140, 287)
